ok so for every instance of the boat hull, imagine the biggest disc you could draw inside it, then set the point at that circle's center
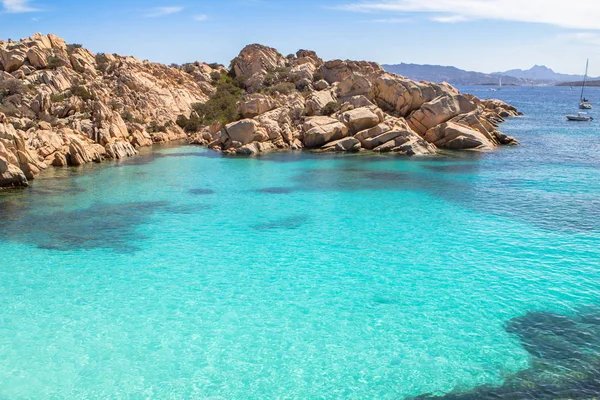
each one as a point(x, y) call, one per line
point(578, 118)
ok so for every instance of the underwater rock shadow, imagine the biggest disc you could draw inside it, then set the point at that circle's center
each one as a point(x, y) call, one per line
point(111, 226)
point(201, 191)
point(275, 190)
point(293, 222)
point(565, 355)
point(151, 157)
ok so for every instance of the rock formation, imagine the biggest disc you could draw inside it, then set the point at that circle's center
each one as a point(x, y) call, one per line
point(61, 105)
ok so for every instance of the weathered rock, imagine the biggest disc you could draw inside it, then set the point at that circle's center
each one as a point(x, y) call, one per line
point(438, 111)
point(401, 96)
point(394, 135)
point(141, 139)
point(338, 70)
point(321, 84)
point(354, 85)
point(242, 132)
point(317, 100)
point(11, 175)
point(362, 118)
point(348, 144)
point(255, 105)
point(320, 130)
point(451, 135)
point(118, 150)
point(257, 59)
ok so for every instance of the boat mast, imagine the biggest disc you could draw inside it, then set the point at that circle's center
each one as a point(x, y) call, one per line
point(584, 79)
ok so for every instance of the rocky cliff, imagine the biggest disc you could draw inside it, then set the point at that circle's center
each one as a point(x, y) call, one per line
point(61, 105)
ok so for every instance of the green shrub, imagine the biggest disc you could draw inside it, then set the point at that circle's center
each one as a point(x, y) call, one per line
point(318, 75)
point(102, 62)
point(55, 62)
point(331, 108)
point(155, 127)
point(214, 65)
point(221, 107)
point(215, 76)
point(9, 110)
point(283, 88)
point(129, 117)
point(81, 91)
point(58, 98)
point(51, 119)
point(240, 81)
point(71, 47)
point(9, 87)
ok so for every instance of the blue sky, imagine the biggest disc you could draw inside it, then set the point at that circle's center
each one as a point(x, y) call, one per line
point(481, 35)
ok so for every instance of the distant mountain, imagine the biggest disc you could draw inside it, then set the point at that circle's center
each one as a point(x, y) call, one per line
point(452, 75)
point(541, 73)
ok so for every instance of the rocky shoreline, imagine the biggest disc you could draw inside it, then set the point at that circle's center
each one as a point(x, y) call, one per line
point(61, 105)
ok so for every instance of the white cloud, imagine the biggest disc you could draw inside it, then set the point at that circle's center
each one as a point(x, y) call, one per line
point(201, 17)
point(582, 14)
point(390, 20)
point(583, 37)
point(162, 11)
point(17, 6)
point(450, 19)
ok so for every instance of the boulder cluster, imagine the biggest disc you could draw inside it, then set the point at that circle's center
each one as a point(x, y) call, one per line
point(61, 105)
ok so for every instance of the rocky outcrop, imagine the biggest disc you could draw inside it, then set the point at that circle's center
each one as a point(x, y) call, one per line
point(71, 107)
point(65, 106)
point(256, 59)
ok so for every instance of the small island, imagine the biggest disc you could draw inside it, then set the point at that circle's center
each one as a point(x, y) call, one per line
point(61, 105)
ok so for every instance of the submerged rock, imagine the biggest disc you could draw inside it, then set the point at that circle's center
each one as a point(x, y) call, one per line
point(565, 365)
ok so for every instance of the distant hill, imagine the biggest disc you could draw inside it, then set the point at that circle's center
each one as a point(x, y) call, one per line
point(541, 73)
point(452, 75)
point(593, 83)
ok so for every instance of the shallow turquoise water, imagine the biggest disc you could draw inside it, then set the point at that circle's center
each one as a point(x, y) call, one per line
point(183, 274)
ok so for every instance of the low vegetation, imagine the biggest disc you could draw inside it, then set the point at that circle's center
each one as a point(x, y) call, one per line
point(221, 107)
point(83, 92)
point(331, 108)
point(55, 62)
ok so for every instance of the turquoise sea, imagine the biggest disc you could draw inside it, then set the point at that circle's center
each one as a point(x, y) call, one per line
point(182, 274)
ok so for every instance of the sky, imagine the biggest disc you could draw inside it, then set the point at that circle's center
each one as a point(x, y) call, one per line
point(477, 35)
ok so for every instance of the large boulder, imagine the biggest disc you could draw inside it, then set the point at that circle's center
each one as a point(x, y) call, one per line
point(82, 60)
point(255, 105)
point(394, 135)
point(11, 175)
point(362, 118)
point(438, 111)
point(401, 96)
point(354, 85)
point(338, 70)
point(257, 59)
point(242, 132)
point(454, 136)
point(320, 130)
point(118, 150)
point(317, 100)
point(348, 144)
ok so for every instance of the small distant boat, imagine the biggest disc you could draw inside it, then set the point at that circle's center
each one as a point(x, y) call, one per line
point(584, 103)
point(579, 117)
point(499, 86)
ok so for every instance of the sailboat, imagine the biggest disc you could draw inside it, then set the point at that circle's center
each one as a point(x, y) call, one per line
point(584, 103)
point(499, 86)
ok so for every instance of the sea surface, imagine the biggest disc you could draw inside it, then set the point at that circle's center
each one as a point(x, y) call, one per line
point(183, 274)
